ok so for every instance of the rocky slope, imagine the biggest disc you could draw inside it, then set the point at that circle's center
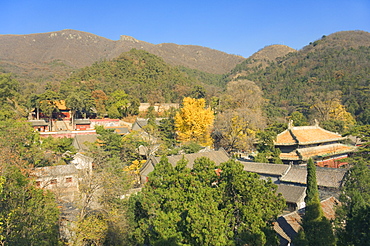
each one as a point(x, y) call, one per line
point(78, 49)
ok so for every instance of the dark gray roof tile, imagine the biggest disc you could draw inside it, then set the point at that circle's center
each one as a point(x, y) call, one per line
point(265, 168)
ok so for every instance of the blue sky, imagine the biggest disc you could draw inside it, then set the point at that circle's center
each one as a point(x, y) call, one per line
point(234, 26)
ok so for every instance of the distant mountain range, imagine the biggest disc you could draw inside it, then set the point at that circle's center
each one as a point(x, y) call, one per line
point(78, 49)
point(288, 78)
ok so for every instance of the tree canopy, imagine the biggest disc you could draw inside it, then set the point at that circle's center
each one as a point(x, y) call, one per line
point(194, 121)
point(28, 215)
point(316, 228)
point(355, 198)
point(205, 205)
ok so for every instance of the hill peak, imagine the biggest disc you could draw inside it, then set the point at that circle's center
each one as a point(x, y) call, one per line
point(342, 39)
point(272, 52)
point(128, 38)
point(261, 59)
point(30, 54)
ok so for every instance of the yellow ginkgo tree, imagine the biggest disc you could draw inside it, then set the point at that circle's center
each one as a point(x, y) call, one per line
point(134, 169)
point(194, 122)
point(333, 110)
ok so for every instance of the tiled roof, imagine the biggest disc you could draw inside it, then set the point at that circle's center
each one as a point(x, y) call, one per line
point(121, 130)
point(303, 135)
point(290, 156)
point(82, 122)
point(317, 151)
point(291, 193)
point(80, 140)
point(61, 104)
point(38, 122)
point(326, 177)
point(141, 122)
point(54, 171)
point(265, 168)
point(285, 138)
point(324, 150)
point(218, 156)
point(328, 207)
point(287, 226)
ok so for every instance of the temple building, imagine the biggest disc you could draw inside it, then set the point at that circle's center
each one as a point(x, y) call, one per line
point(300, 143)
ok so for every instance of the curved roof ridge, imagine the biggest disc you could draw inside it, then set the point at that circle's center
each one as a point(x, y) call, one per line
point(281, 133)
point(304, 127)
point(329, 131)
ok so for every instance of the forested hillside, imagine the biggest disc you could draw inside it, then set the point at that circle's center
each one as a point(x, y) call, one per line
point(335, 67)
point(36, 59)
point(141, 75)
point(261, 59)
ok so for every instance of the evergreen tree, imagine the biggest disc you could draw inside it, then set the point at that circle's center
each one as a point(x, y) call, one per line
point(204, 205)
point(9, 98)
point(312, 191)
point(317, 229)
point(298, 118)
point(355, 209)
point(266, 149)
point(167, 128)
point(363, 152)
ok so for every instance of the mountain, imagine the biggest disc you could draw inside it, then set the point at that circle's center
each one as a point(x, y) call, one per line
point(337, 62)
point(261, 59)
point(139, 73)
point(76, 49)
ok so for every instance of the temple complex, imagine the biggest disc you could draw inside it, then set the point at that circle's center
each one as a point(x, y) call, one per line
point(300, 143)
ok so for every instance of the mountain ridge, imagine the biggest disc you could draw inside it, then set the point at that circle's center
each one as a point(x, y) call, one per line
point(79, 49)
point(339, 62)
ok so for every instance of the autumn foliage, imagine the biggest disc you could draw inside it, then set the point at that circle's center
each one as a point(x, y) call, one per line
point(194, 122)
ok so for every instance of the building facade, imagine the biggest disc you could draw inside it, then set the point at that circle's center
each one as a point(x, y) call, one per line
point(300, 143)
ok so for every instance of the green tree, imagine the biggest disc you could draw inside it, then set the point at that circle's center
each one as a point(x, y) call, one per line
point(317, 229)
point(122, 105)
point(133, 108)
point(233, 132)
point(266, 148)
point(123, 147)
point(334, 125)
point(298, 119)
point(75, 103)
point(191, 148)
point(130, 147)
point(61, 148)
point(8, 88)
point(34, 102)
point(361, 133)
point(100, 99)
point(20, 138)
point(80, 102)
point(10, 98)
point(355, 199)
point(167, 128)
point(28, 216)
point(198, 92)
point(119, 100)
point(48, 104)
point(150, 114)
point(201, 206)
point(101, 220)
point(109, 141)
